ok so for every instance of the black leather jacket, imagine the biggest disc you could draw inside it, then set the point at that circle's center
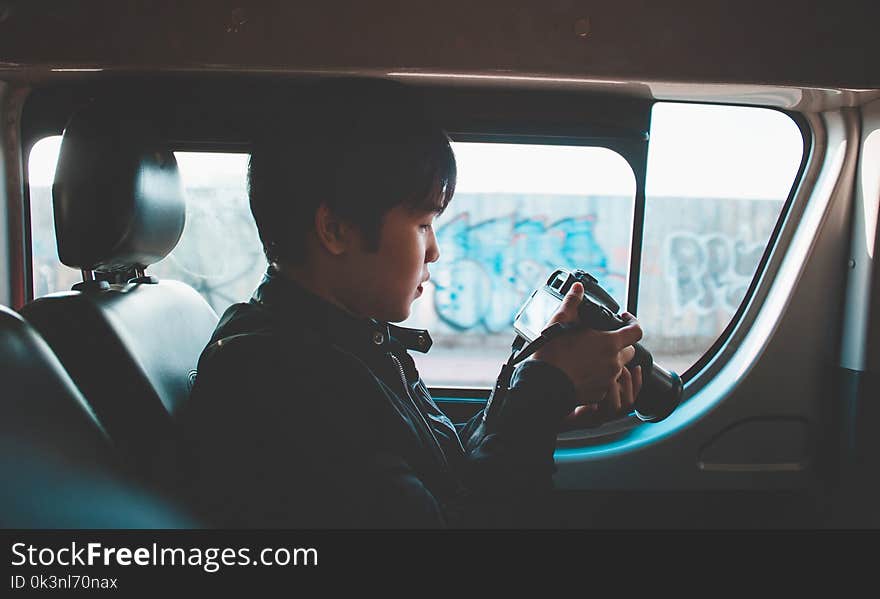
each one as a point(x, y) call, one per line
point(305, 417)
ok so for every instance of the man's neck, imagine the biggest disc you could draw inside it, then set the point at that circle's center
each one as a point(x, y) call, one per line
point(315, 284)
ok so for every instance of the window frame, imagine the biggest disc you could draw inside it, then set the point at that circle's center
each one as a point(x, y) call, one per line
point(695, 377)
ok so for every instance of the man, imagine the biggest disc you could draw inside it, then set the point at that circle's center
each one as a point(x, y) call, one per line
point(307, 410)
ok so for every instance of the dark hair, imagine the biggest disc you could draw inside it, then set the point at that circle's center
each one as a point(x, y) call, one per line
point(362, 146)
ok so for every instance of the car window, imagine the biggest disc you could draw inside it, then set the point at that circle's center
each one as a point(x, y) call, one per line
point(219, 253)
point(718, 178)
point(218, 223)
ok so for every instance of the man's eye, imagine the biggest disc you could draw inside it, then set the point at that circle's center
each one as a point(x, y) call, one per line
point(425, 227)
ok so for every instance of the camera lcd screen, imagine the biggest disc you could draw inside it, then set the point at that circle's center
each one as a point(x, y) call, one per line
point(533, 317)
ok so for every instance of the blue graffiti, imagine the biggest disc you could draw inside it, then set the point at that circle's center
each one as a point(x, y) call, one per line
point(489, 268)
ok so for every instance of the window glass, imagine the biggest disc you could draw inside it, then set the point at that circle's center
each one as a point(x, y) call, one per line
point(219, 253)
point(718, 177)
point(49, 274)
point(519, 212)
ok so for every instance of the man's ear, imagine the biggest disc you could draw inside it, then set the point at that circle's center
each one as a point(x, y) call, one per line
point(334, 234)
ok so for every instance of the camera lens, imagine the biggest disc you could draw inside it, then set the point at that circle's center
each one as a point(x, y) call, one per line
point(661, 389)
point(660, 395)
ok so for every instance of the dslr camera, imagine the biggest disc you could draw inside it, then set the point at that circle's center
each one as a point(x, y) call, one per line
point(661, 389)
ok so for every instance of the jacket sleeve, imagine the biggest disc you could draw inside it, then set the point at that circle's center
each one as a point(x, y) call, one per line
point(508, 464)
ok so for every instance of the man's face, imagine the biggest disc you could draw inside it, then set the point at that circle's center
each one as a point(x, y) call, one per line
point(383, 284)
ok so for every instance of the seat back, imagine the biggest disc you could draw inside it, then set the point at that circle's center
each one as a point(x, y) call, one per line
point(40, 404)
point(130, 346)
point(58, 466)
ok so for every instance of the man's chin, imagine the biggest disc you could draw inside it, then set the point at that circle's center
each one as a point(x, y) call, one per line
point(399, 315)
point(399, 318)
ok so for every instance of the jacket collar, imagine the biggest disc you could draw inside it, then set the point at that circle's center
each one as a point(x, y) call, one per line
point(302, 309)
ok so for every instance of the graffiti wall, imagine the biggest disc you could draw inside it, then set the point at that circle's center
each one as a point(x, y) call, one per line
point(496, 248)
point(698, 260)
point(491, 266)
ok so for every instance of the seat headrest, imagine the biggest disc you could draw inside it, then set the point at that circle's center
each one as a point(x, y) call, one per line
point(117, 194)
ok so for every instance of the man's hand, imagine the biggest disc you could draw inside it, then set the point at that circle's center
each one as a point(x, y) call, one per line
point(617, 403)
point(595, 362)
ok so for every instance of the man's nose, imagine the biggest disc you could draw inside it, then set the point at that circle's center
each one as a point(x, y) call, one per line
point(432, 254)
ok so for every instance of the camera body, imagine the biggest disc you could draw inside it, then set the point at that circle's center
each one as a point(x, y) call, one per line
point(661, 389)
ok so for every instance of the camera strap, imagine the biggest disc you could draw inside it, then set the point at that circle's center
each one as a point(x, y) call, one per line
point(520, 350)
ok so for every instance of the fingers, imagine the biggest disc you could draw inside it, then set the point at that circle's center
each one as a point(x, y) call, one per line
point(575, 294)
point(617, 401)
point(628, 334)
point(590, 397)
point(627, 354)
point(581, 412)
point(613, 399)
point(568, 310)
point(637, 381)
point(585, 416)
point(627, 395)
point(620, 398)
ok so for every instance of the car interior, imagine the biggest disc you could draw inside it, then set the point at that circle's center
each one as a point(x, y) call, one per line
point(773, 430)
